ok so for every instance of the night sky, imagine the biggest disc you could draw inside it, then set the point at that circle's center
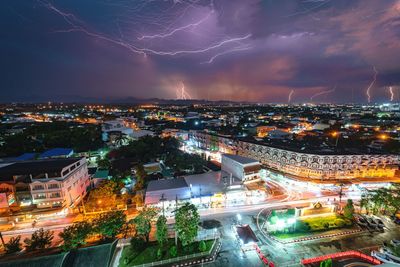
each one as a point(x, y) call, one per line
point(249, 50)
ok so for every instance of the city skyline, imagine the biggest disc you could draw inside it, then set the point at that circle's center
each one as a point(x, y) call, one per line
point(258, 51)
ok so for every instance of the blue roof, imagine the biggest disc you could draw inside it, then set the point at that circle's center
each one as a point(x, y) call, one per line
point(26, 156)
point(57, 152)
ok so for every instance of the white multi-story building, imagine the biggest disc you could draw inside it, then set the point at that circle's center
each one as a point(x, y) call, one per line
point(316, 166)
point(47, 183)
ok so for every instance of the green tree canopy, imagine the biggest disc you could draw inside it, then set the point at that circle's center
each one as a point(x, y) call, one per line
point(186, 223)
point(348, 211)
point(142, 222)
point(109, 224)
point(75, 235)
point(161, 230)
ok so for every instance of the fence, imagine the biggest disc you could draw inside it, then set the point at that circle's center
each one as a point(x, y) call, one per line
point(351, 253)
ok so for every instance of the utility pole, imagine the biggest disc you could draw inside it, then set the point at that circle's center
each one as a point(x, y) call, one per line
point(162, 199)
point(176, 207)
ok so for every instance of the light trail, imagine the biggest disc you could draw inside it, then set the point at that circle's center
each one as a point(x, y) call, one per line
point(323, 93)
point(290, 96)
point(368, 92)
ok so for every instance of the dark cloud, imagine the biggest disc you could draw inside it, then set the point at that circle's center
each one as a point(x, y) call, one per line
point(256, 50)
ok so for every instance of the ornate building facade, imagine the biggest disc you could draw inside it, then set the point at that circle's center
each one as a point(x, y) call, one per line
point(304, 165)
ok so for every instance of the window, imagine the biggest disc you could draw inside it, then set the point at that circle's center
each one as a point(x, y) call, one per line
point(53, 186)
point(40, 196)
point(38, 187)
point(55, 195)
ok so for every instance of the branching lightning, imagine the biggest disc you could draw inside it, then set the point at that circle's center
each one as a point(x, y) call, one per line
point(185, 27)
point(290, 96)
point(181, 93)
point(212, 47)
point(323, 93)
point(235, 49)
point(368, 92)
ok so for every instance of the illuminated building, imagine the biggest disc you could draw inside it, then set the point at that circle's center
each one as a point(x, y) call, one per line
point(243, 168)
point(318, 165)
point(47, 183)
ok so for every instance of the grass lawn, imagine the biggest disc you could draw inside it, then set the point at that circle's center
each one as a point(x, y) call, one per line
point(149, 254)
point(310, 225)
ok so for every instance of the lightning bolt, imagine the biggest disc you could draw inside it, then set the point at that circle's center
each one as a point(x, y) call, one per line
point(225, 44)
point(191, 25)
point(368, 92)
point(391, 93)
point(236, 49)
point(182, 94)
point(323, 93)
point(290, 96)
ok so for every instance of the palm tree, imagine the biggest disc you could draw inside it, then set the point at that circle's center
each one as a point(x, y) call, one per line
point(121, 140)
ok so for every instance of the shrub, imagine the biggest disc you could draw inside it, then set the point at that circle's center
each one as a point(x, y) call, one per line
point(340, 222)
point(326, 225)
point(159, 253)
point(202, 246)
point(173, 251)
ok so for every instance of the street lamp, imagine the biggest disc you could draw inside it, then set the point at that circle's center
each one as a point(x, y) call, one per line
point(383, 137)
point(336, 135)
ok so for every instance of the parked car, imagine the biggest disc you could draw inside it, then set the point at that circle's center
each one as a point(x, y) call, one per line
point(360, 220)
point(379, 222)
point(371, 222)
point(384, 258)
point(395, 242)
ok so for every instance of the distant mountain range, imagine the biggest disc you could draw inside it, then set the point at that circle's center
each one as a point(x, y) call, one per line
point(103, 100)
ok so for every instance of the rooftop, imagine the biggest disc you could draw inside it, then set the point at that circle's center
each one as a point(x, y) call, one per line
point(56, 152)
point(35, 167)
point(240, 159)
point(165, 184)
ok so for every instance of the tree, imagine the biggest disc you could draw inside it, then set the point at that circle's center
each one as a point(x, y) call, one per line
point(103, 163)
point(13, 245)
point(161, 230)
point(75, 235)
point(140, 177)
point(105, 196)
point(121, 140)
point(349, 210)
point(40, 239)
point(109, 224)
point(173, 251)
point(143, 222)
point(326, 263)
point(186, 223)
